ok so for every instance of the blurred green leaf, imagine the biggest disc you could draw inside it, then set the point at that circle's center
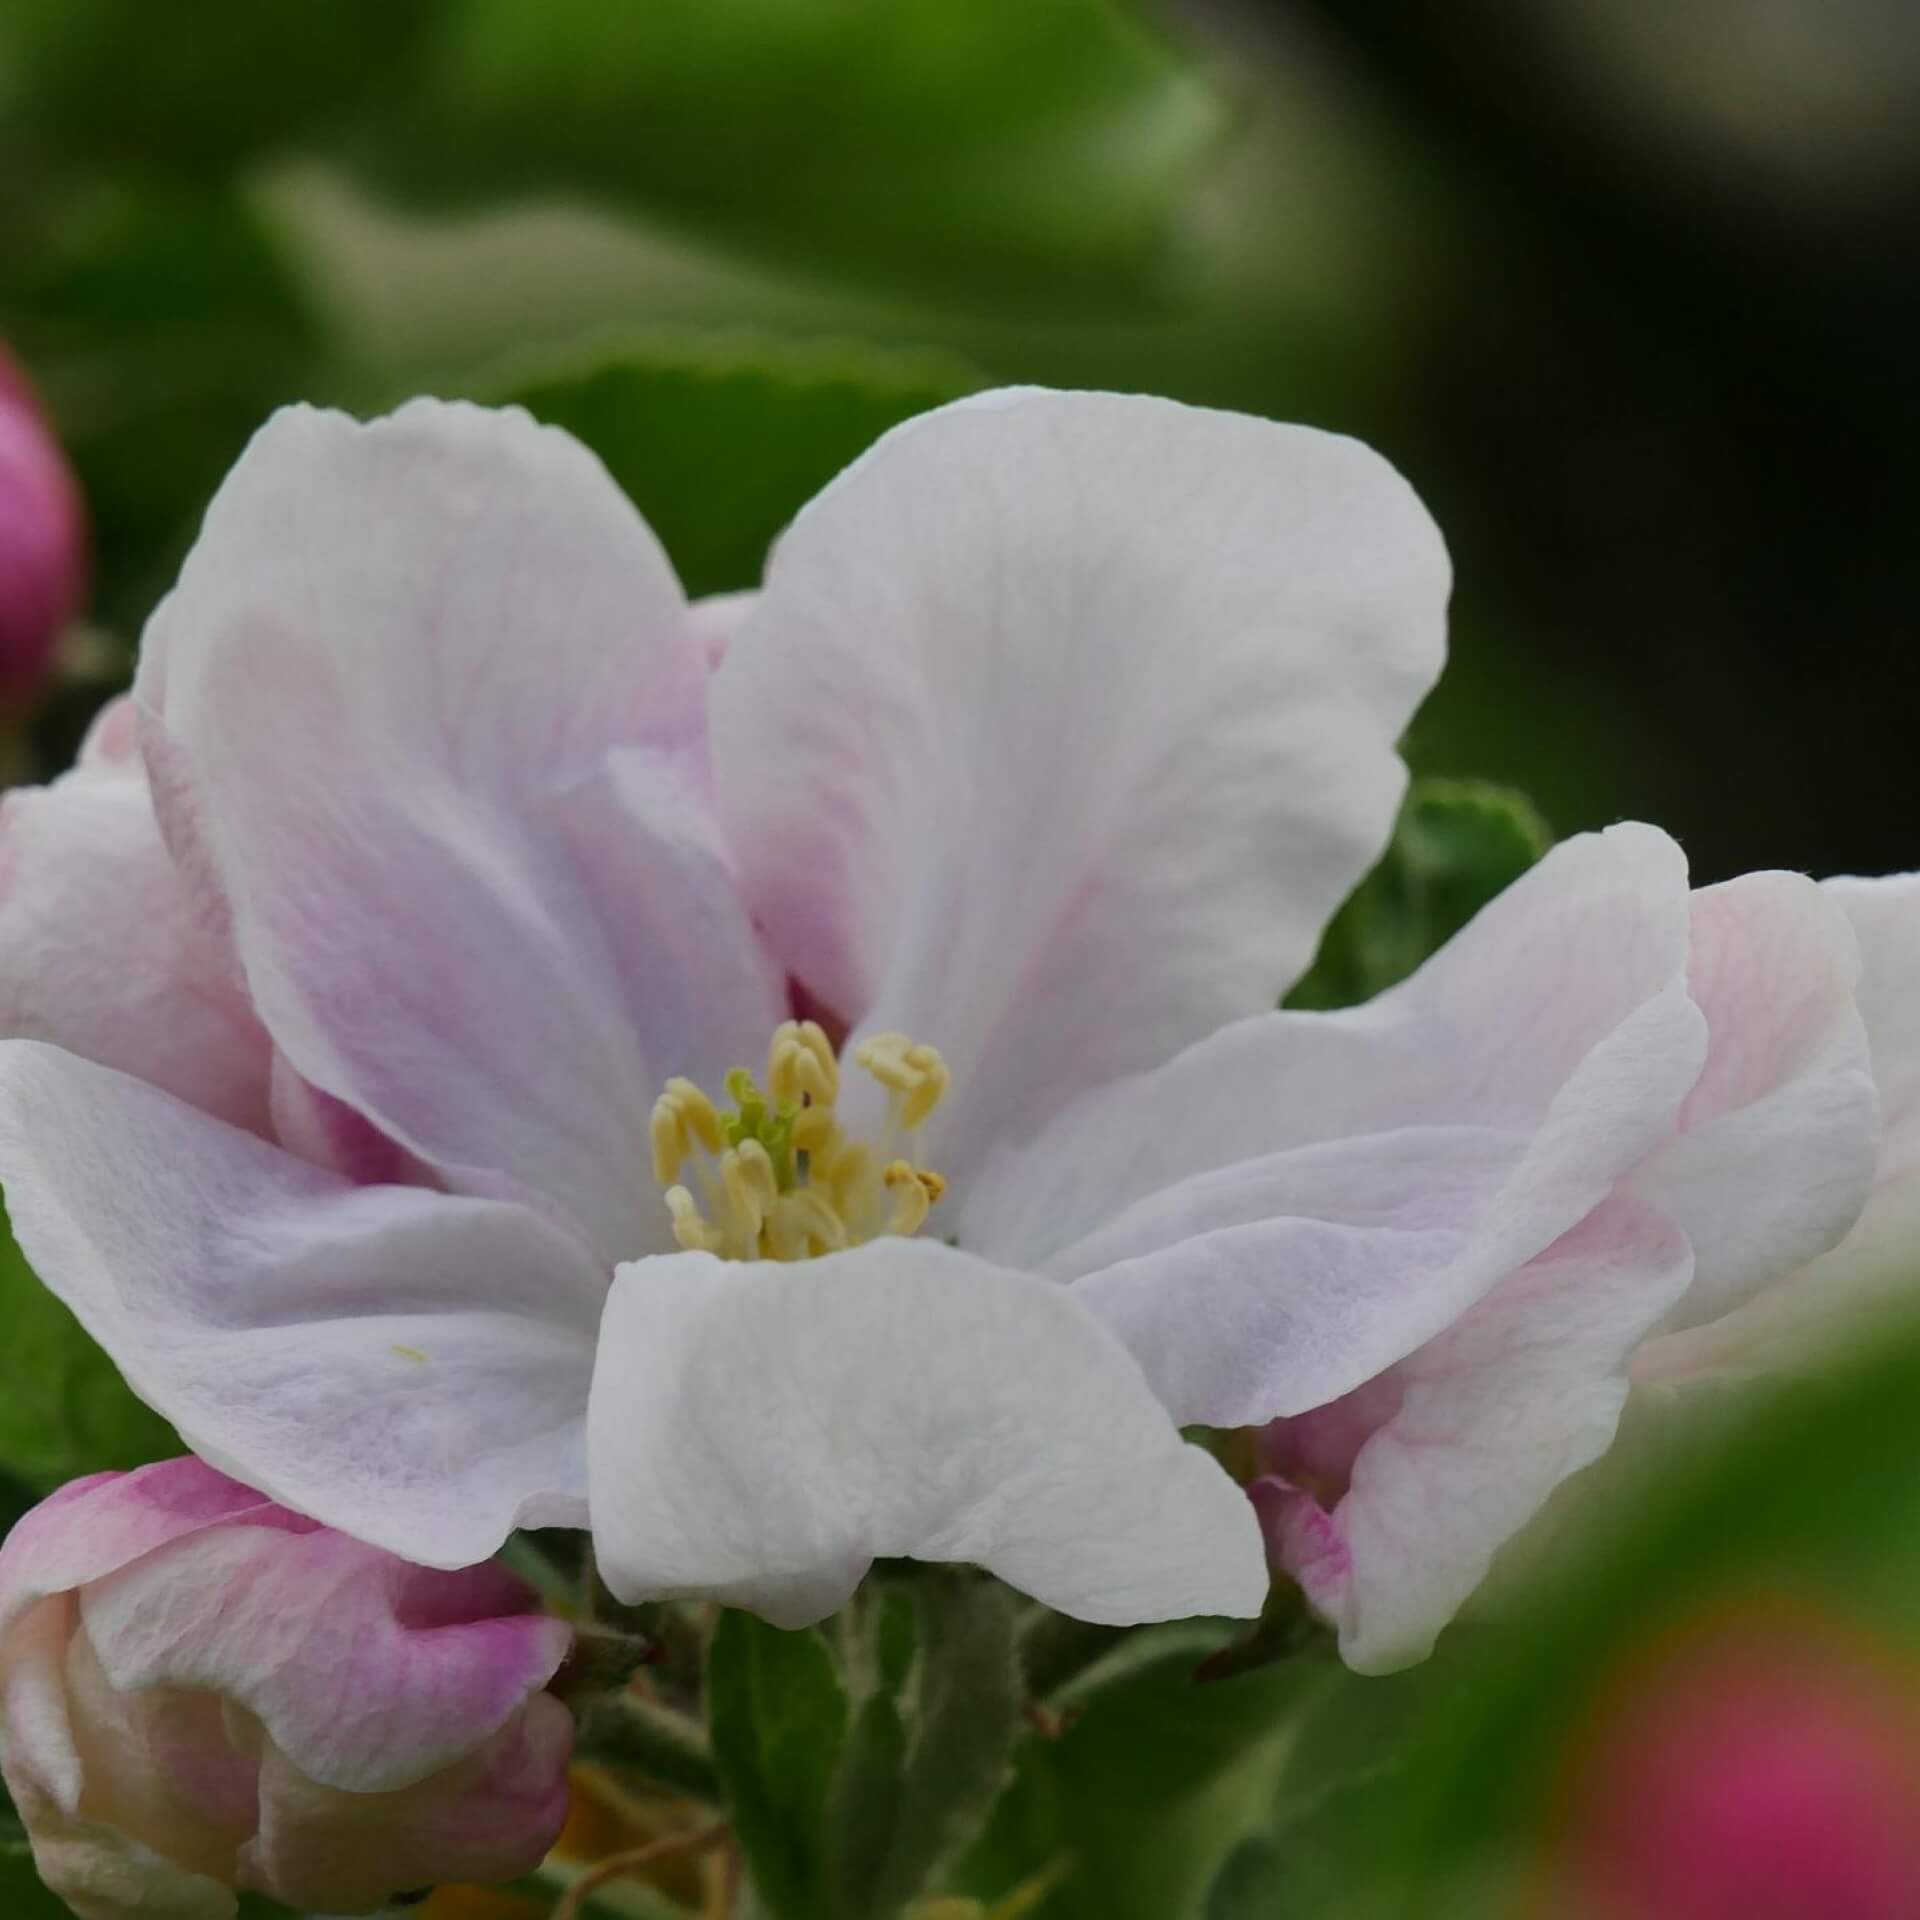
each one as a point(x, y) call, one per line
point(1144, 1795)
point(22, 1897)
point(193, 88)
point(995, 148)
point(720, 446)
point(65, 1410)
point(1456, 845)
point(777, 1715)
point(163, 324)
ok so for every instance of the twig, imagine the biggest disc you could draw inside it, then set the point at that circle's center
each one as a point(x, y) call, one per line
point(672, 1846)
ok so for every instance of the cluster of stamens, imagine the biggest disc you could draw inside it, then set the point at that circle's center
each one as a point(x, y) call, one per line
point(779, 1178)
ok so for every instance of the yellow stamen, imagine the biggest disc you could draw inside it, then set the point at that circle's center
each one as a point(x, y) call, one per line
point(781, 1177)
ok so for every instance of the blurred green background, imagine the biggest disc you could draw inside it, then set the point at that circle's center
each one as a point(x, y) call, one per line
point(1630, 292)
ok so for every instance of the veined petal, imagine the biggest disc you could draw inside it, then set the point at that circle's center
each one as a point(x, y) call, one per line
point(409, 1366)
point(1469, 1437)
point(100, 951)
point(1062, 724)
point(426, 720)
point(367, 1674)
point(761, 1433)
point(1302, 1200)
point(1775, 1154)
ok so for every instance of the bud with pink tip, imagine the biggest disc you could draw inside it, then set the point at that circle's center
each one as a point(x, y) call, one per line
point(42, 539)
point(201, 1692)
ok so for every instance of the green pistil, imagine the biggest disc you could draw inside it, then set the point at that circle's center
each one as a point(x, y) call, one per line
point(755, 1117)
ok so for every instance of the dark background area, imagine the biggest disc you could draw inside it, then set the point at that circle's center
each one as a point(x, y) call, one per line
point(1630, 292)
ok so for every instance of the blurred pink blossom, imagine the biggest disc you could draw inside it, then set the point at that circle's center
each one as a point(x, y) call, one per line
point(42, 538)
point(1765, 1767)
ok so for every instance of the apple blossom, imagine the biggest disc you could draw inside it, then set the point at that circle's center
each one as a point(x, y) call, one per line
point(41, 538)
point(201, 1692)
point(512, 1172)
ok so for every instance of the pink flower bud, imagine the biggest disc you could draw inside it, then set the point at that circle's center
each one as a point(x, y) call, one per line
point(1758, 1764)
point(202, 1692)
point(42, 539)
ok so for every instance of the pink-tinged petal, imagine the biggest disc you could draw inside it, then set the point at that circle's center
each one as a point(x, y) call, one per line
point(97, 1525)
point(42, 539)
point(100, 952)
point(1062, 724)
point(369, 1674)
point(426, 717)
point(1474, 1433)
point(121, 1830)
point(409, 1366)
point(1302, 1200)
point(1873, 1269)
point(761, 1433)
point(491, 1816)
point(716, 619)
point(1777, 1140)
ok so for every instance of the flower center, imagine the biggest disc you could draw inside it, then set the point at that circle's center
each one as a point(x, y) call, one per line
point(778, 1177)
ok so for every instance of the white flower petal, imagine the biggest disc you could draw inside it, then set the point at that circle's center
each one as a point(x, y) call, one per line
point(426, 719)
point(407, 1366)
point(1062, 724)
point(100, 951)
point(1290, 1207)
point(760, 1433)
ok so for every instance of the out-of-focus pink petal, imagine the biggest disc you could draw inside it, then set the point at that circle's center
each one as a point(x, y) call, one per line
point(100, 951)
point(761, 1433)
point(1063, 722)
point(42, 538)
point(1471, 1435)
point(426, 720)
point(1776, 1148)
point(407, 1365)
point(1294, 1205)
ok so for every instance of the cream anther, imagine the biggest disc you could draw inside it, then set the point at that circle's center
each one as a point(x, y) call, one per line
point(780, 1177)
point(916, 1073)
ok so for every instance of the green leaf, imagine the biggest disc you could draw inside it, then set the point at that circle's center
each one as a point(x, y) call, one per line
point(987, 147)
point(1144, 1795)
point(22, 1896)
point(777, 1717)
point(720, 447)
point(163, 325)
point(194, 88)
point(865, 1810)
point(1456, 845)
point(64, 1410)
point(968, 1702)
